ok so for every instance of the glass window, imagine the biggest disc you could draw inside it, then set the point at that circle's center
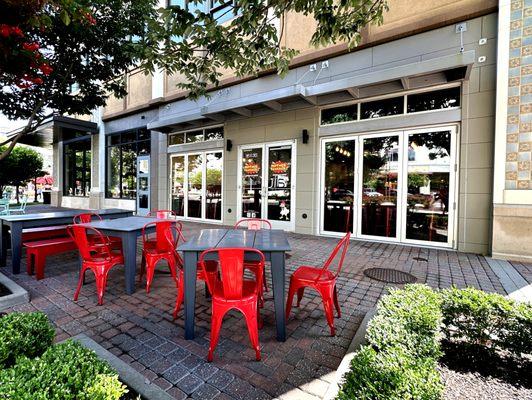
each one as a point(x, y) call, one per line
point(77, 167)
point(176, 138)
point(382, 108)
point(428, 186)
point(251, 183)
point(194, 136)
point(214, 133)
point(380, 173)
point(213, 207)
point(339, 185)
point(222, 11)
point(177, 3)
point(437, 100)
point(279, 185)
point(339, 114)
point(195, 185)
point(121, 162)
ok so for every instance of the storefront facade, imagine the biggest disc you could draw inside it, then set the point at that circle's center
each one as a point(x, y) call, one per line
point(394, 141)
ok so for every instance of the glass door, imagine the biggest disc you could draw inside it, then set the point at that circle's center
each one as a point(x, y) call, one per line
point(266, 190)
point(196, 185)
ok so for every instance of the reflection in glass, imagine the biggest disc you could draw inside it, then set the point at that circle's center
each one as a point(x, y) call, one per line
point(178, 185)
point(194, 136)
point(214, 133)
point(379, 186)
point(339, 114)
point(279, 185)
point(129, 171)
point(213, 199)
point(428, 186)
point(339, 184)
point(113, 172)
point(195, 166)
point(382, 108)
point(177, 138)
point(251, 183)
point(437, 100)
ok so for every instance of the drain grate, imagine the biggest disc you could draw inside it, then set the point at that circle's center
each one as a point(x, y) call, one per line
point(389, 275)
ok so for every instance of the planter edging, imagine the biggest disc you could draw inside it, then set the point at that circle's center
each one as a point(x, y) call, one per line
point(128, 375)
point(358, 340)
point(18, 295)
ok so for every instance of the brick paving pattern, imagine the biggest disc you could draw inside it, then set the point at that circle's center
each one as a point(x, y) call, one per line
point(139, 328)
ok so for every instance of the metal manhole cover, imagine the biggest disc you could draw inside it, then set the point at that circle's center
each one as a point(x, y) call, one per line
point(389, 275)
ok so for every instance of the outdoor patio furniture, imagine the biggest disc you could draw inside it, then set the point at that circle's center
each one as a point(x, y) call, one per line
point(230, 290)
point(4, 205)
point(128, 229)
point(46, 232)
point(162, 214)
point(96, 255)
point(255, 224)
point(174, 235)
point(85, 218)
point(321, 279)
point(21, 208)
point(272, 243)
point(37, 251)
point(14, 225)
point(156, 248)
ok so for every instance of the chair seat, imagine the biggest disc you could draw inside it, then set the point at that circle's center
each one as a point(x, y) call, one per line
point(306, 273)
point(249, 292)
point(116, 258)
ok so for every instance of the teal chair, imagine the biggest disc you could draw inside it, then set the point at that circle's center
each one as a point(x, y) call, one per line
point(21, 208)
point(4, 204)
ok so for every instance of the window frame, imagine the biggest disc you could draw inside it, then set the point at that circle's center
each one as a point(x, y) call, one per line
point(120, 145)
point(85, 138)
point(203, 130)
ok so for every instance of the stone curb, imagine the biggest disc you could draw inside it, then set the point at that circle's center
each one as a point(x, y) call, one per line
point(127, 374)
point(358, 340)
point(18, 295)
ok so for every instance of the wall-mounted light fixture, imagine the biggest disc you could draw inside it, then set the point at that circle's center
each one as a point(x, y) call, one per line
point(228, 145)
point(305, 136)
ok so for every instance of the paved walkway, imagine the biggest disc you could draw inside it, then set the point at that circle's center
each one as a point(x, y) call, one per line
point(139, 328)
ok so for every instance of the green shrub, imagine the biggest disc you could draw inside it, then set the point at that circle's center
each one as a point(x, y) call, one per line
point(393, 374)
point(24, 334)
point(67, 371)
point(409, 317)
point(487, 319)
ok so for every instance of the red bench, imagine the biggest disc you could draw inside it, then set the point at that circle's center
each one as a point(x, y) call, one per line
point(46, 232)
point(37, 251)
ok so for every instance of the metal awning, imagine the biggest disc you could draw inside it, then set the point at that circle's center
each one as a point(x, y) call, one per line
point(50, 131)
point(372, 82)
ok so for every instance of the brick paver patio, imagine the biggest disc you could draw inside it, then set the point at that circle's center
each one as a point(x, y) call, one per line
point(139, 328)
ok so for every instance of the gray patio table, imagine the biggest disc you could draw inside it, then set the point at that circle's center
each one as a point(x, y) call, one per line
point(128, 229)
point(16, 223)
point(273, 243)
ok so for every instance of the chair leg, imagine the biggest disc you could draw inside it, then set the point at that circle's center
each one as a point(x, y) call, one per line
point(80, 282)
point(173, 269)
point(30, 260)
point(101, 283)
point(327, 297)
point(250, 313)
point(179, 298)
point(336, 304)
point(300, 293)
point(216, 323)
point(289, 300)
point(150, 271)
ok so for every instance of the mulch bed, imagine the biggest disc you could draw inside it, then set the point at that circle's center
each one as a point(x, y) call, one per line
point(476, 374)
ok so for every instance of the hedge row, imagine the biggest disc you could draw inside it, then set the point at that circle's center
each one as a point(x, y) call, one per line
point(400, 359)
point(42, 371)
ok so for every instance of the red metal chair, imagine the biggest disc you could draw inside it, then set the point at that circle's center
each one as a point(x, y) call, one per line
point(230, 290)
point(156, 248)
point(96, 255)
point(255, 224)
point(321, 279)
point(85, 218)
point(174, 235)
point(162, 214)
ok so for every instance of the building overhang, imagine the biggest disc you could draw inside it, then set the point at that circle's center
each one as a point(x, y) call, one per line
point(51, 130)
point(368, 83)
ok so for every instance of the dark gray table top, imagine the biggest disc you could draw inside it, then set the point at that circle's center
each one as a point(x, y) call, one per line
point(126, 224)
point(58, 214)
point(263, 240)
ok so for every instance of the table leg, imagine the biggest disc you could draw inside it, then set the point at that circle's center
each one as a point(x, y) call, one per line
point(190, 260)
point(278, 281)
point(129, 243)
point(16, 247)
point(3, 245)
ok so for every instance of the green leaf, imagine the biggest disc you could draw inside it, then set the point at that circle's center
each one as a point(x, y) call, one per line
point(65, 17)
